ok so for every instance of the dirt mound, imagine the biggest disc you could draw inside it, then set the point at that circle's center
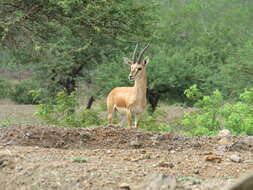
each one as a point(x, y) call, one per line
point(113, 136)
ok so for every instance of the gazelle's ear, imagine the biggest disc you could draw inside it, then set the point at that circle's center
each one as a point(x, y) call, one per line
point(127, 61)
point(145, 60)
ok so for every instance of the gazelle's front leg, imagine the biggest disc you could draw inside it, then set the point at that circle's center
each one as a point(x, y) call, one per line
point(129, 118)
point(137, 119)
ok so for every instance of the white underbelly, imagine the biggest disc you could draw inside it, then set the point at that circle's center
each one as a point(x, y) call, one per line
point(138, 109)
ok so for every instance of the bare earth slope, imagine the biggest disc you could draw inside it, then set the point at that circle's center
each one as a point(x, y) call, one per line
point(43, 157)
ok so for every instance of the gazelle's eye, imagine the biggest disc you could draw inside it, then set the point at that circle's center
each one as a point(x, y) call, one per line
point(139, 69)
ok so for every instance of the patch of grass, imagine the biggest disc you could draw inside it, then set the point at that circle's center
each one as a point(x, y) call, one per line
point(5, 123)
point(147, 156)
point(79, 160)
point(185, 178)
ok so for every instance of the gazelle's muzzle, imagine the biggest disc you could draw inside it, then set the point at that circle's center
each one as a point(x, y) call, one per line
point(131, 77)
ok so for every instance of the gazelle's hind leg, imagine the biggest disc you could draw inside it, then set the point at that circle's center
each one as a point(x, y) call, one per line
point(110, 110)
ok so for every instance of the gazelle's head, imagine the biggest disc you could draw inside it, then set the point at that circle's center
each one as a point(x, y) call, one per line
point(138, 66)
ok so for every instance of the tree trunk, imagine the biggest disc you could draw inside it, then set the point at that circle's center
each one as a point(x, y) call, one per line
point(90, 101)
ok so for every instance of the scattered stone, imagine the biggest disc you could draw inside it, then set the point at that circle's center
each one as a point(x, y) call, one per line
point(223, 148)
point(167, 136)
point(243, 183)
point(132, 159)
point(206, 153)
point(155, 143)
point(124, 186)
point(171, 165)
point(213, 158)
point(157, 137)
point(196, 145)
point(7, 161)
point(86, 184)
point(225, 141)
point(239, 146)
point(224, 132)
point(85, 135)
point(156, 181)
point(235, 158)
point(217, 167)
point(135, 144)
point(163, 164)
point(196, 171)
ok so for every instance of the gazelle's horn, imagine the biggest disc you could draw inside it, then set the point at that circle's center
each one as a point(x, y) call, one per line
point(134, 54)
point(142, 52)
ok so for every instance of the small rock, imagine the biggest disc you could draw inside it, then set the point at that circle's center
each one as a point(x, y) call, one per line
point(239, 146)
point(172, 151)
point(86, 184)
point(155, 143)
point(157, 137)
point(223, 148)
point(124, 186)
point(156, 181)
point(235, 158)
point(196, 171)
point(213, 158)
point(163, 164)
point(224, 132)
point(167, 136)
point(84, 134)
point(206, 153)
point(217, 168)
point(225, 141)
point(135, 144)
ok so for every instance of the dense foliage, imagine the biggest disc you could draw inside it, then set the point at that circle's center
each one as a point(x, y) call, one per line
point(63, 39)
point(64, 110)
point(208, 43)
point(193, 42)
point(5, 88)
point(214, 114)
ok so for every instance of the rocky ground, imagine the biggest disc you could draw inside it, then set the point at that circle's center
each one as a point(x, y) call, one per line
point(112, 157)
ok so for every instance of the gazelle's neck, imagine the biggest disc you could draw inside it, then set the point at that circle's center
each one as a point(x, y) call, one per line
point(140, 85)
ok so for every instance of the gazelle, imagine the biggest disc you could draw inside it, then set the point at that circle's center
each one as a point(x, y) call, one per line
point(132, 100)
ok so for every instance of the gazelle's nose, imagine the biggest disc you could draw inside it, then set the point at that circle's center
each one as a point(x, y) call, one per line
point(131, 77)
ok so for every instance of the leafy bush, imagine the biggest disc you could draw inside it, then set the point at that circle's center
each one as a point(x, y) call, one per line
point(214, 114)
point(21, 92)
point(64, 110)
point(155, 122)
point(5, 88)
point(196, 42)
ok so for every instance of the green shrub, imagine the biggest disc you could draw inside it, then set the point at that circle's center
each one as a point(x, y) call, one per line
point(214, 114)
point(155, 122)
point(5, 88)
point(22, 92)
point(63, 110)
